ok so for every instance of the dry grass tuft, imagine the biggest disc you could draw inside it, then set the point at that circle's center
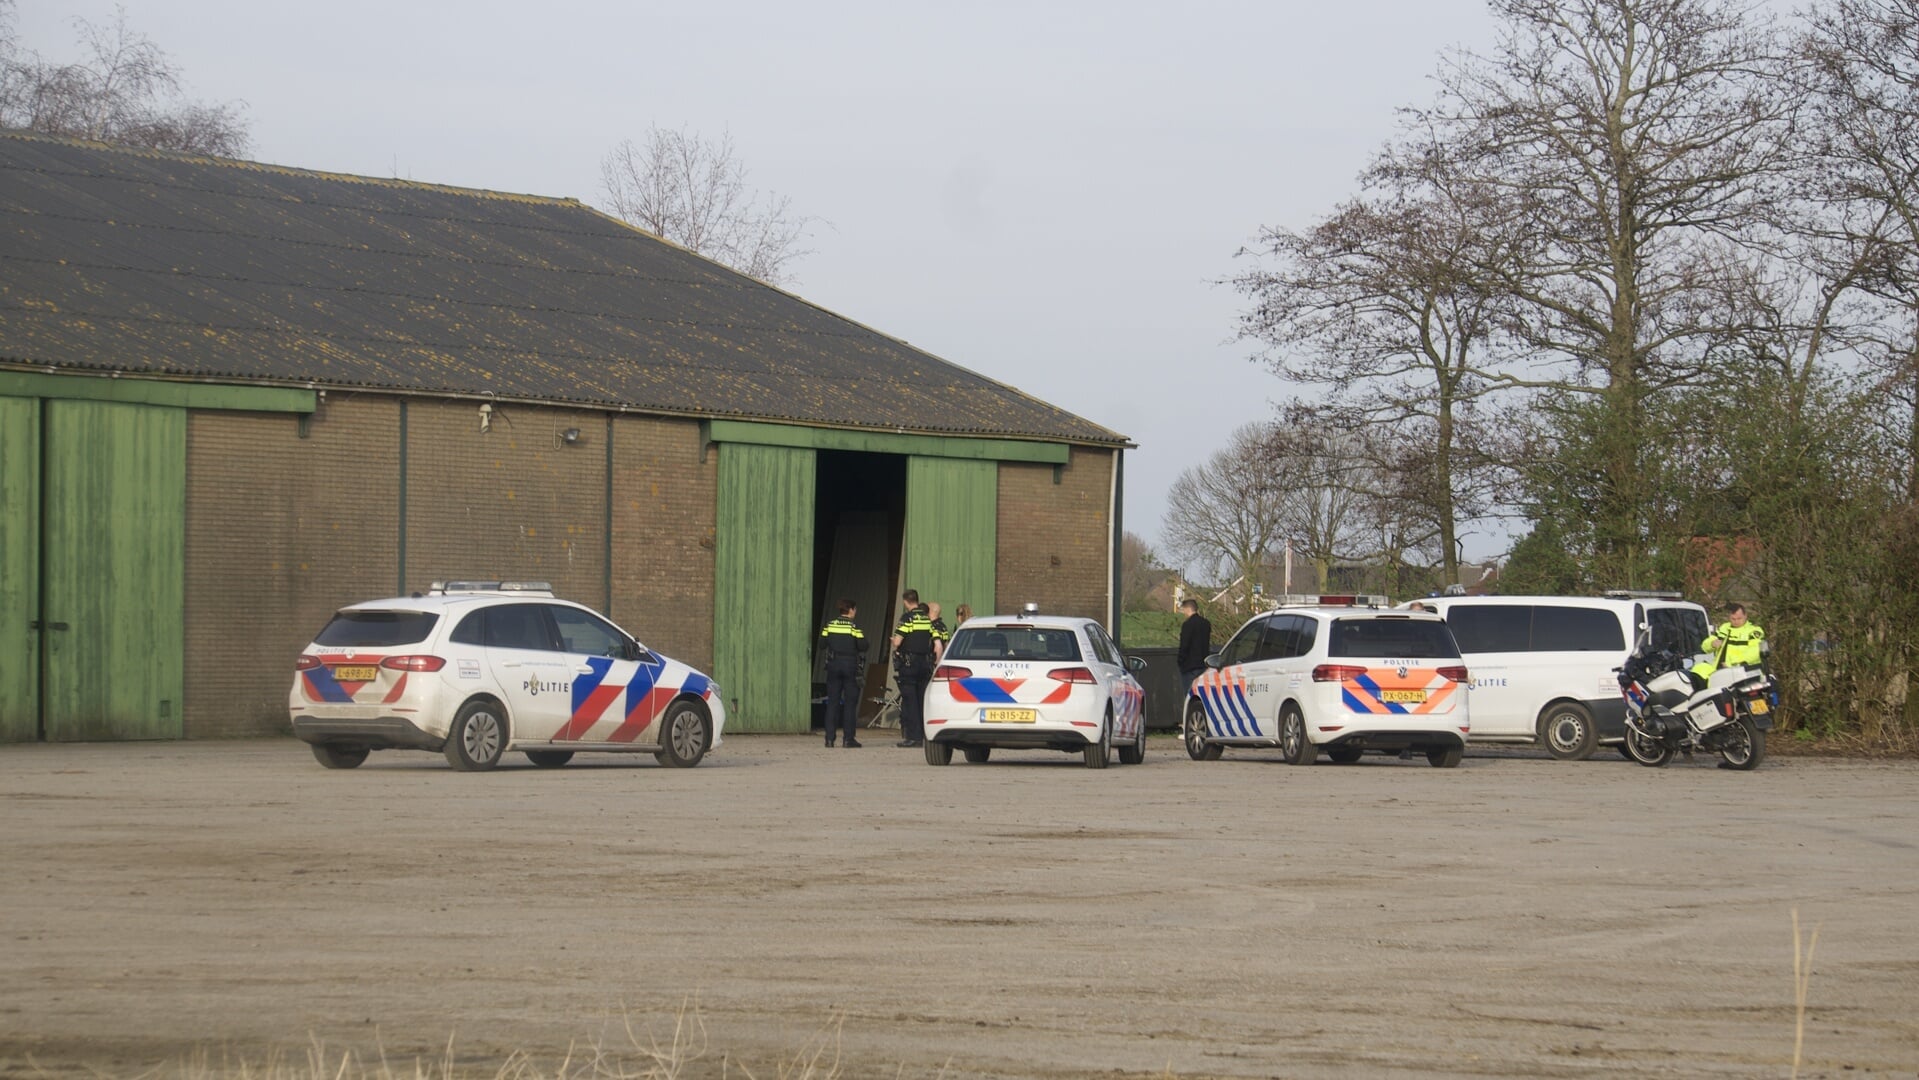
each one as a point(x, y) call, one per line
point(637, 1052)
point(1801, 985)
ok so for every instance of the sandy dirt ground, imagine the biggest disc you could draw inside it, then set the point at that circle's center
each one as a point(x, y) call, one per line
point(1024, 918)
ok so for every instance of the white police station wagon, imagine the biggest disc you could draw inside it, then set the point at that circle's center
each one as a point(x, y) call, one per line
point(1032, 681)
point(475, 669)
point(1348, 679)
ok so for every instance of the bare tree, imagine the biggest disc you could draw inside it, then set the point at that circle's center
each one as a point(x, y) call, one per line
point(1389, 302)
point(124, 90)
point(1642, 141)
point(687, 189)
point(1224, 516)
point(1862, 81)
point(1327, 492)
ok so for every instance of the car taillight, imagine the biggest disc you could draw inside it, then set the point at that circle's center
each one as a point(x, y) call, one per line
point(949, 672)
point(1456, 674)
point(1071, 675)
point(413, 663)
point(1337, 673)
point(306, 663)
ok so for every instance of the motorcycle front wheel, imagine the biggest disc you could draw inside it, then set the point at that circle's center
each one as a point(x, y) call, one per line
point(1744, 745)
point(1647, 750)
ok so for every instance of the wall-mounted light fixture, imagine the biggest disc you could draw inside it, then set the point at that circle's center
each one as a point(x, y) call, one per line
point(569, 436)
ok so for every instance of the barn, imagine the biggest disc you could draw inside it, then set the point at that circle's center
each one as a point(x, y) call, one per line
point(235, 396)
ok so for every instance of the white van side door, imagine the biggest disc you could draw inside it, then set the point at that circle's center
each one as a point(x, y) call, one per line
point(1493, 640)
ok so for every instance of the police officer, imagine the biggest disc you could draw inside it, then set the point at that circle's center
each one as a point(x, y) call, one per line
point(845, 673)
point(915, 646)
point(1736, 642)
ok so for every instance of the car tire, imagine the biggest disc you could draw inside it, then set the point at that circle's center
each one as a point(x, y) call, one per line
point(549, 759)
point(977, 755)
point(1445, 757)
point(339, 757)
point(477, 740)
point(1133, 753)
point(1294, 745)
point(939, 753)
point(1099, 753)
point(686, 733)
point(1567, 731)
point(1193, 733)
point(1344, 755)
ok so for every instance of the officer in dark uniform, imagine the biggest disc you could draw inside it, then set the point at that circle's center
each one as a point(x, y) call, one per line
point(915, 646)
point(845, 673)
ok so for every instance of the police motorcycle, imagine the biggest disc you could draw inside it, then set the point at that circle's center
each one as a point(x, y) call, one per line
point(1670, 709)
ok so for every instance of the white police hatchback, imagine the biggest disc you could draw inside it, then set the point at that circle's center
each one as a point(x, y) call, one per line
point(1343, 677)
point(477, 669)
point(1035, 682)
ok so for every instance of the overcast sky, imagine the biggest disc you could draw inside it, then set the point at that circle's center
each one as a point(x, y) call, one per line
point(1042, 192)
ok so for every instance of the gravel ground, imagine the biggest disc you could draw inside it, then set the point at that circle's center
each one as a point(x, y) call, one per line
point(1029, 917)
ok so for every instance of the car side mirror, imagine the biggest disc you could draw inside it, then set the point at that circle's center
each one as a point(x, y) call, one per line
point(1136, 663)
point(1214, 661)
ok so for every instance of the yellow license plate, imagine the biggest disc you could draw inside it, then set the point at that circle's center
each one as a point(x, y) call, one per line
point(356, 673)
point(1403, 697)
point(1010, 716)
point(1761, 705)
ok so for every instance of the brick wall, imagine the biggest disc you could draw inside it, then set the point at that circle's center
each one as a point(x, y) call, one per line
point(512, 502)
point(1055, 540)
point(283, 530)
point(664, 502)
point(280, 531)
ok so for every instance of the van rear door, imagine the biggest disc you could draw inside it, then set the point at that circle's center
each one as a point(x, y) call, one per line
point(1494, 640)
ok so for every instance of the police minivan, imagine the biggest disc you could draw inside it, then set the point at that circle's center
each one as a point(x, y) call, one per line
point(1542, 666)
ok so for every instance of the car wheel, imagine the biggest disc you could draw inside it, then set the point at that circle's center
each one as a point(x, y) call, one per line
point(1100, 751)
point(477, 739)
point(685, 735)
point(939, 753)
point(1745, 746)
point(1446, 757)
point(1197, 746)
point(1135, 752)
point(339, 757)
point(1294, 746)
point(1567, 732)
point(1344, 755)
point(977, 755)
point(549, 759)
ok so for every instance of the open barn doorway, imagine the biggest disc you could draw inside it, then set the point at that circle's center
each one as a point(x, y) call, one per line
point(859, 525)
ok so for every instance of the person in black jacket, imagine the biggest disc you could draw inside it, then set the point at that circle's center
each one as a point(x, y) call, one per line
point(915, 649)
point(845, 673)
point(1195, 643)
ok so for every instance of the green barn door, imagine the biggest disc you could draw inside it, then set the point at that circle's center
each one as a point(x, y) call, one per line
point(114, 542)
point(19, 569)
point(952, 532)
point(763, 592)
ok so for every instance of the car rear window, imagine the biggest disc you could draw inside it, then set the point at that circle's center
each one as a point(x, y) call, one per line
point(376, 629)
point(1395, 639)
point(1015, 643)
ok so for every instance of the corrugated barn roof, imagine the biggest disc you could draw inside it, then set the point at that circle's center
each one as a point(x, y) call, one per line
point(177, 265)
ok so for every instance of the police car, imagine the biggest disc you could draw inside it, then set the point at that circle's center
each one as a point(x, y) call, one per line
point(1338, 674)
point(477, 669)
point(1035, 682)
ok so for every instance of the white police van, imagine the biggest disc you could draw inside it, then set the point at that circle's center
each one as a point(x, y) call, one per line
point(1542, 666)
